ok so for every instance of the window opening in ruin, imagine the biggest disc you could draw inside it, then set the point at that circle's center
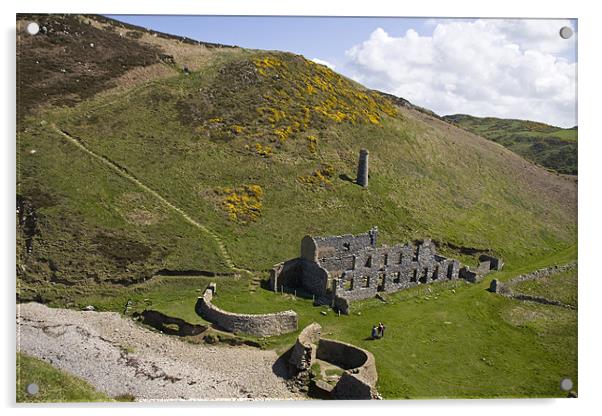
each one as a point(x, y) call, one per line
point(450, 270)
point(367, 281)
point(396, 277)
point(348, 284)
point(383, 281)
point(386, 259)
point(425, 273)
point(368, 262)
point(414, 277)
point(346, 246)
point(435, 275)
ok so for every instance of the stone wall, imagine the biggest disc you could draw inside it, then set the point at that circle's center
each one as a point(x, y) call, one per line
point(495, 262)
point(314, 278)
point(484, 267)
point(469, 275)
point(360, 376)
point(358, 382)
point(287, 274)
point(545, 272)
point(505, 289)
point(318, 248)
point(261, 325)
point(304, 350)
point(390, 269)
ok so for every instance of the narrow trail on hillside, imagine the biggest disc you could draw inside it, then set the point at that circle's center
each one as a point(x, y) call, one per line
point(124, 173)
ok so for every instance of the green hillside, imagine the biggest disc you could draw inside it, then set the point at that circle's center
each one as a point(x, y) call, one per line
point(259, 149)
point(219, 170)
point(549, 146)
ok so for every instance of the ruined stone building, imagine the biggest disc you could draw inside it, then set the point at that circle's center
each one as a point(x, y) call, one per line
point(340, 269)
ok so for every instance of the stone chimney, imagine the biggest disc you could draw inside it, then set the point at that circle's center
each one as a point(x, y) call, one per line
point(362, 169)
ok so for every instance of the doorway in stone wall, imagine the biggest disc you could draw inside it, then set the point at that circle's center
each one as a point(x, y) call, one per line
point(382, 279)
point(424, 275)
point(414, 276)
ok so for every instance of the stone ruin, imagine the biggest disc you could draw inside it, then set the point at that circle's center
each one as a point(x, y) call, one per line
point(336, 270)
point(359, 377)
point(487, 263)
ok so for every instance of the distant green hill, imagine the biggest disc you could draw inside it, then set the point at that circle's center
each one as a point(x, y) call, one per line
point(549, 146)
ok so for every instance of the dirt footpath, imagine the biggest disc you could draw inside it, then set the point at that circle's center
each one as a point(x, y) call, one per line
point(118, 356)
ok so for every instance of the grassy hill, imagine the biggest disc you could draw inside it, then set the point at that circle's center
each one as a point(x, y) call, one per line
point(224, 167)
point(549, 146)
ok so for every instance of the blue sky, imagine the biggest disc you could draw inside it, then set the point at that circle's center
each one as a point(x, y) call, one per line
point(314, 37)
point(504, 68)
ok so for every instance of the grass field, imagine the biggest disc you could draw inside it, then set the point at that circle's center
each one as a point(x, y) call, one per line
point(54, 385)
point(450, 339)
point(561, 287)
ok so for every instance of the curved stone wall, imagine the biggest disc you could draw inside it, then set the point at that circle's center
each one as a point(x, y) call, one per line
point(359, 381)
point(263, 325)
point(304, 350)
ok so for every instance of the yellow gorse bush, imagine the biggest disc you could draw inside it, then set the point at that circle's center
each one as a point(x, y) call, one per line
point(242, 204)
point(339, 100)
point(263, 150)
point(319, 177)
point(312, 144)
point(289, 96)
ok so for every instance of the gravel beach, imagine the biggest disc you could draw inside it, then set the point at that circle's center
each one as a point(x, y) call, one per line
point(118, 356)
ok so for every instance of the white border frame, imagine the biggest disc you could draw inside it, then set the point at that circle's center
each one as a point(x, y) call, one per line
point(589, 189)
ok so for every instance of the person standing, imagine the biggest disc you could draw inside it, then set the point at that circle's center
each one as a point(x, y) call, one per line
point(374, 332)
point(381, 330)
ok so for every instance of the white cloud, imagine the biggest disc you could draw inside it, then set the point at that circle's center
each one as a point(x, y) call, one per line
point(323, 62)
point(503, 68)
